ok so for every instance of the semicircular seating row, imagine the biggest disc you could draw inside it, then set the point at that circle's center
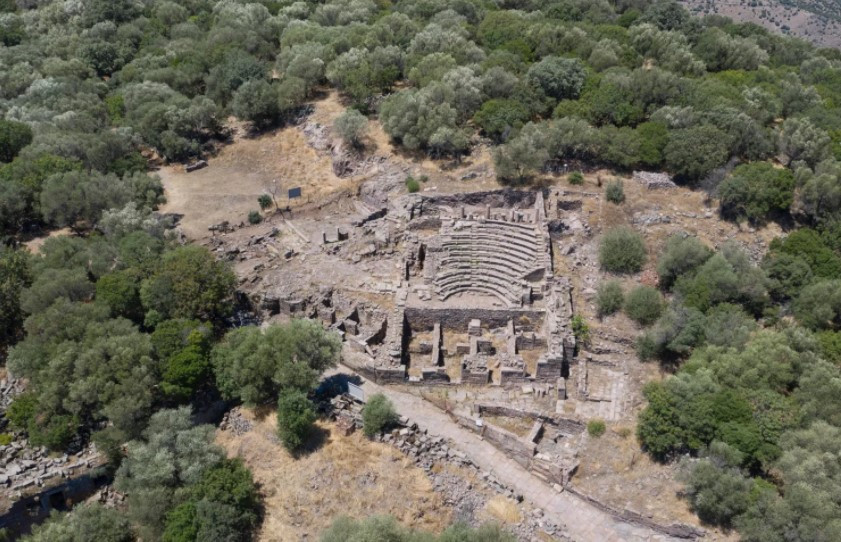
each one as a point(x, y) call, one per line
point(489, 257)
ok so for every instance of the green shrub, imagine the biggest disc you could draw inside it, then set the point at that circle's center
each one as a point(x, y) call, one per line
point(647, 347)
point(295, 416)
point(5, 439)
point(581, 330)
point(609, 298)
point(576, 178)
point(644, 305)
point(622, 250)
point(351, 126)
point(378, 414)
point(265, 201)
point(756, 192)
point(412, 185)
point(830, 342)
point(615, 192)
point(596, 428)
point(254, 217)
point(22, 411)
point(681, 255)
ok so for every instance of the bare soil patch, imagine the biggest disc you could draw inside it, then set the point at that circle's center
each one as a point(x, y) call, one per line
point(229, 187)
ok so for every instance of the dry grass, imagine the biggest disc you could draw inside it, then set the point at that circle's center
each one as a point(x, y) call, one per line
point(518, 426)
point(346, 476)
point(617, 470)
point(503, 510)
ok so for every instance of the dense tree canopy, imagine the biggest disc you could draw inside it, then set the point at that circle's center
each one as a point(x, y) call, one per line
point(114, 323)
point(253, 365)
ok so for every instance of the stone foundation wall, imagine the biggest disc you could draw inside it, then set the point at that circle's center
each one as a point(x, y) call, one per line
point(564, 425)
point(475, 379)
point(513, 377)
point(424, 319)
point(549, 371)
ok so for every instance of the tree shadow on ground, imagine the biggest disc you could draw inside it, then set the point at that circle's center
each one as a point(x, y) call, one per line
point(336, 384)
point(317, 438)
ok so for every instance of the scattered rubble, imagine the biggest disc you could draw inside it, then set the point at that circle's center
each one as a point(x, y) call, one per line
point(235, 422)
point(432, 454)
point(654, 181)
point(22, 466)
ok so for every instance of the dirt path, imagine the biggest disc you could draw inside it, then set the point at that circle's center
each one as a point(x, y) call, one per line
point(583, 521)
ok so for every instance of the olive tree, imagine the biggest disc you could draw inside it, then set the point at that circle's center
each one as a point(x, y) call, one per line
point(351, 126)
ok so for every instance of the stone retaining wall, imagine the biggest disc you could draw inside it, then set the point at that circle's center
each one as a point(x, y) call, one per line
point(678, 530)
point(565, 425)
point(423, 319)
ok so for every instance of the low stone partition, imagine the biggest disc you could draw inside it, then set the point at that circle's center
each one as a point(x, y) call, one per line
point(514, 447)
point(435, 375)
point(479, 378)
point(549, 370)
point(513, 376)
point(521, 450)
point(382, 375)
point(566, 426)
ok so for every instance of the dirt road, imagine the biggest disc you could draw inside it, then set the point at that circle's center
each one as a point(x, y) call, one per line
point(583, 521)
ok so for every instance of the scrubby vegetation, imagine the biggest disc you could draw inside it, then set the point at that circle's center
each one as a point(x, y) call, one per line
point(386, 528)
point(596, 428)
point(117, 323)
point(614, 192)
point(643, 305)
point(378, 414)
point(622, 250)
point(751, 398)
point(113, 327)
point(609, 298)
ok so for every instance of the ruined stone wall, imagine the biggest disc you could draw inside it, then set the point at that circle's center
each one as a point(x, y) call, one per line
point(549, 370)
point(678, 530)
point(564, 425)
point(475, 379)
point(494, 198)
point(513, 446)
point(512, 377)
point(424, 319)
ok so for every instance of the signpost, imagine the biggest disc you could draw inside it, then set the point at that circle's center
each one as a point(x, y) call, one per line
point(356, 392)
point(295, 192)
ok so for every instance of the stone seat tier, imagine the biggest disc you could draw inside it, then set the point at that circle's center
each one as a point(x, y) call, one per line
point(530, 239)
point(472, 237)
point(496, 270)
point(528, 233)
point(524, 241)
point(483, 275)
point(482, 257)
point(508, 281)
point(493, 246)
point(512, 290)
point(524, 226)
